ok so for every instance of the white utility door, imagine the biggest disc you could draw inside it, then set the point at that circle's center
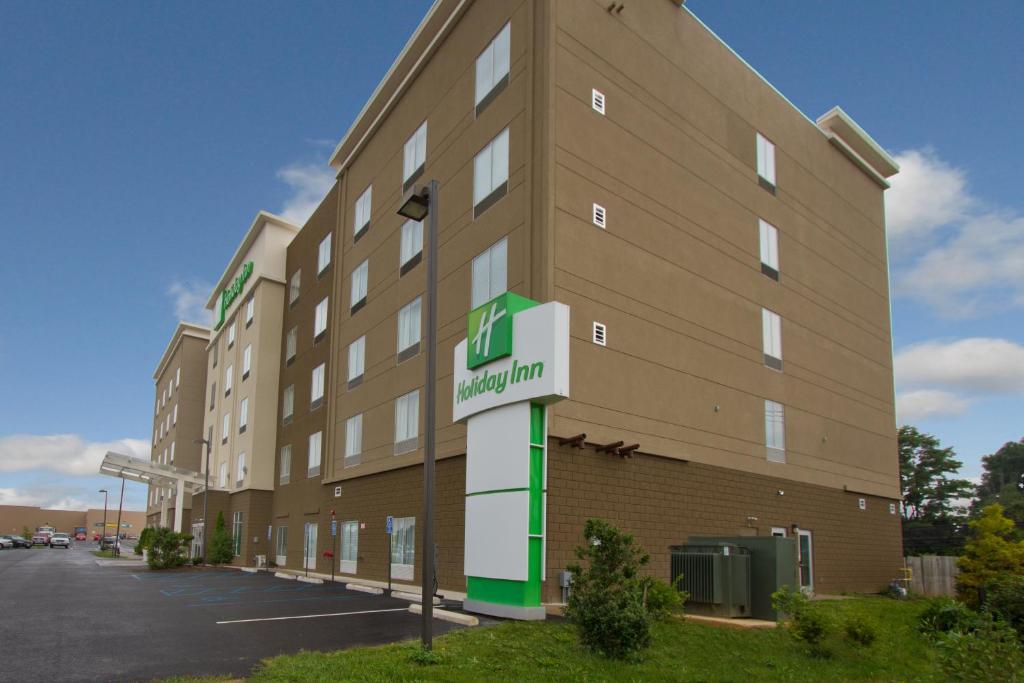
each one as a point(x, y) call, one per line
point(806, 558)
point(309, 543)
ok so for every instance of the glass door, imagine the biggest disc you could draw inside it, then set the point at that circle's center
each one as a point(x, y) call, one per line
point(309, 543)
point(806, 561)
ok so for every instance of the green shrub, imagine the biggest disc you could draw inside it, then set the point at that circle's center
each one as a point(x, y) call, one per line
point(662, 599)
point(221, 550)
point(167, 549)
point(1004, 598)
point(788, 602)
point(607, 599)
point(991, 652)
point(145, 540)
point(197, 561)
point(860, 630)
point(944, 615)
point(992, 552)
point(807, 622)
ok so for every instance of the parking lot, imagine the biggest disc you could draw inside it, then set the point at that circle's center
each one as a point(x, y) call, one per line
point(65, 618)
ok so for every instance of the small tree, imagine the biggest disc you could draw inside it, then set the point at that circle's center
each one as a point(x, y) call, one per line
point(990, 553)
point(26, 533)
point(220, 550)
point(607, 598)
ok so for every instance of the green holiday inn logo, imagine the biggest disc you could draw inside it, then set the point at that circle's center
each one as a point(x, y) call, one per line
point(490, 328)
point(232, 291)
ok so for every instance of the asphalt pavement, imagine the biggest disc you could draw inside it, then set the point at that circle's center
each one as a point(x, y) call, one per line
point(65, 618)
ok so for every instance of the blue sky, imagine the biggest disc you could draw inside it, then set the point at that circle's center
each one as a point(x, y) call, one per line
point(138, 140)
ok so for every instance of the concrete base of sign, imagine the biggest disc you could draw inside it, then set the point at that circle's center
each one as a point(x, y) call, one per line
point(505, 611)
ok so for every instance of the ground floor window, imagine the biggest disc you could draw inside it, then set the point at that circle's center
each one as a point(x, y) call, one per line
point(282, 546)
point(236, 533)
point(309, 546)
point(403, 546)
point(349, 547)
point(197, 540)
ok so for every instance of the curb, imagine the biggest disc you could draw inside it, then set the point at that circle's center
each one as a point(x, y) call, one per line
point(412, 597)
point(282, 575)
point(445, 615)
point(364, 589)
point(309, 579)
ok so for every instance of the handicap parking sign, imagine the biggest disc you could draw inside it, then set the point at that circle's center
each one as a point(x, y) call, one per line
point(334, 527)
point(390, 525)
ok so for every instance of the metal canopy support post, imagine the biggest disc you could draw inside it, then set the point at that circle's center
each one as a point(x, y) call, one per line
point(178, 505)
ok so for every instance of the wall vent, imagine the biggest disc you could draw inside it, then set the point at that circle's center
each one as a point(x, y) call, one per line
point(597, 101)
point(337, 492)
point(600, 334)
point(600, 216)
point(892, 508)
point(862, 504)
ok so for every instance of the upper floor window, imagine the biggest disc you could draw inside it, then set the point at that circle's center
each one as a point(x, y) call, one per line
point(241, 471)
point(415, 156)
point(250, 310)
point(288, 402)
point(291, 342)
point(213, 394)
point(490, 273)
point(410, 251)
point(215, 354)
point(243, 415)
point(363, 207)
point(315, 445)
point(769, 249)
point(771, 330)
point(356, 360)
point(490, 173)
point(407, 422)
point(223, 478)
point(231, 335)
point(353, 439)
point(360, 279)
point(285, 472)
point(177, 377)
point(316, 386)
point(320, 319)
point(225, 427)
point(174, 414)
point(293, 287)
point(492, 68)
point(246, 361)
point(775, 431)
point(229, 376)
point(323, 254)
point(409, 330)
point(766, 162)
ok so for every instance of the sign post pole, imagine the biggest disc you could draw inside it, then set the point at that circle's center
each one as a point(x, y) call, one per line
point(334, 542)
point(389, 527)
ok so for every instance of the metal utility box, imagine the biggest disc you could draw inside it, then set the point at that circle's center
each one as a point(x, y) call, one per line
point(716, 575)
point(773, 564)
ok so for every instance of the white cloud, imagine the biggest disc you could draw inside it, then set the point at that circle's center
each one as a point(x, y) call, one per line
point(189, 300)
point(976, 364)
point(925, 403)
point(309, 183)
point(949, 251)
point(66, 454)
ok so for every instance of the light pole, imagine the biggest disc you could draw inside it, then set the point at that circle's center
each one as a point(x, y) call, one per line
point(206, 493)
point(103, 533)
point(417, 206)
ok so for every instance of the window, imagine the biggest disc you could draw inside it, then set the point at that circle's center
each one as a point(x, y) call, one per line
point(240, 470)
point(167, 428)
point(415, 156)
point(600, 334)
point(225, 428)
point(216, 354)
point(490, 273)
point(231, 335)
point(291, 342)
point(246, 361)
point(766, 162)
point(315, 442)
point(172, 452)
point(769, 249)
point(288, 402)
point(349, 546)
point(229, 375)
point(600, 216)
point(165, 456)
point(409, 330)
point(316, 387)
point(250, 310)
point(157, 411)
point(243, 415)
point(213, 394)
point(492, 68)
point(286, 465)
point(490, 173)
point(282, 546)
point(293, 287)
point(771, 328)
point(403, 547)
point(597, 101)
point(323, 255)
point(236, 531)
point(353, 439)
point(170, 388)
point(174, 414)
point(223, 478)
point(410, 251)
point(407, 419)
point(360, 277)
point(775, 431)
point(363, 206)
point(156, 438)
point(320, 319)
point(177, 377)
point(356, 360)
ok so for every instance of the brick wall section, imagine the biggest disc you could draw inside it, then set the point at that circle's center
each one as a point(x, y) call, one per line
point(664, 501)
point(255, 506)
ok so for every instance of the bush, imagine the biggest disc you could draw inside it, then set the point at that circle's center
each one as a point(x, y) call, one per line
point(196, 561)
point(145, 540)
point(807, 622)
point(991, 652)
point(221, 550)
point(944, 615)
point(167, 549)
point(789, 602)
point(1004, 598)
point(991, 553)
point(662, 599)
point(860, 630)
point(607, 599)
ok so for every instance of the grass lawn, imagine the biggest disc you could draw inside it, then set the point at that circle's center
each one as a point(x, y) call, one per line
point(682, 651)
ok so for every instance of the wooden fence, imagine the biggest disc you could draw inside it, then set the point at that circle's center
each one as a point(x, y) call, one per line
point(933, 575)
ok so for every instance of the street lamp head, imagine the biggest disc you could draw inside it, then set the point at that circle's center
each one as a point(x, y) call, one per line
point(102, 491)
point(416, 205)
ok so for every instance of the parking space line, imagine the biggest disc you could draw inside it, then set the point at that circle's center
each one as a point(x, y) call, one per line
point(315, 616)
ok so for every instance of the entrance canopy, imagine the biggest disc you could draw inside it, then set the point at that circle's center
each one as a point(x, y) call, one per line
point(148, 472)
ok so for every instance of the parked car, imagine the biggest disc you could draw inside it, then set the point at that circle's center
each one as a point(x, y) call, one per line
point(109, 542)
point(60, 539)
point(20, 541)
point(6, 542)
point(40, 538)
